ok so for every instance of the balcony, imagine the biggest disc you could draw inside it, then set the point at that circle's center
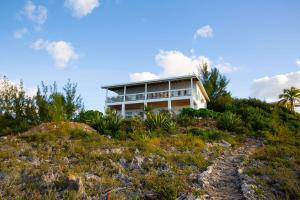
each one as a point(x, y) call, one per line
point(150, 95)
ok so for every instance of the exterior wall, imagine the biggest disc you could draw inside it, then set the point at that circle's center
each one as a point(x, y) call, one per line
point(181, 97)
point(158, 87)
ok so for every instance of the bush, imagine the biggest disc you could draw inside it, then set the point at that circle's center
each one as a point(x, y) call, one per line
point(230, 122)
point(206, 134)
point(202, 112)
point(159, 121)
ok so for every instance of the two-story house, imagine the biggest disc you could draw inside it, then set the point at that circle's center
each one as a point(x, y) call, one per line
point(174, 93)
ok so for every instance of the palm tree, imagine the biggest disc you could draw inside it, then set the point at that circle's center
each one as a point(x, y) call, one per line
point(290, 97)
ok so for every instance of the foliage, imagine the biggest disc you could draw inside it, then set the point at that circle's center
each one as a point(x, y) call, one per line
point(159, 121)
point(279, 172)
point(209, 134)
point(230, 122)
point(202, 112)
point(58, 106)
point(214, 83)
point(17, 110)
point(290, 97)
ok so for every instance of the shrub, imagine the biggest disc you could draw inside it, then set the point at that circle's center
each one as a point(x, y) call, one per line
point(131, 125)
point(207, 134)
point(159, 121)
point(79, 134)
point(202, 112)
point(230, 122)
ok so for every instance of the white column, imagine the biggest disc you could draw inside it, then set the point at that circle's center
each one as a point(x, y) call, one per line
point(105, 106)
point(192, 91)
point(169, 98)
point(123, 103)
point(145, 100)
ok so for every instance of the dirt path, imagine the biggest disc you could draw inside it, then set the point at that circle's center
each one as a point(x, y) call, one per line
point(221, 180)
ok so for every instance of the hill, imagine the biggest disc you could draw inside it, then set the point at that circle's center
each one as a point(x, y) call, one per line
point(70, 160)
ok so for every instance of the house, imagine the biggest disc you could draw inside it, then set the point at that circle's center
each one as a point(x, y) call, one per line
point(173, 93)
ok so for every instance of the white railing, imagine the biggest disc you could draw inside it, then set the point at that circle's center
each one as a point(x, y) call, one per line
point(150, 95)
point(181, 92)
point(135, 97)
point(115, 99)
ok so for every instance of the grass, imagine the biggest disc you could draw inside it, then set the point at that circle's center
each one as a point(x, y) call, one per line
point(66, 150)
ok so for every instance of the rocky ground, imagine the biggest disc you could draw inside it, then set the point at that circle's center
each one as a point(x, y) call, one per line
point(71, 161)
point(224, 179)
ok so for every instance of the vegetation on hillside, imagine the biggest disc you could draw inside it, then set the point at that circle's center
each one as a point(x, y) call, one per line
point(160, 156)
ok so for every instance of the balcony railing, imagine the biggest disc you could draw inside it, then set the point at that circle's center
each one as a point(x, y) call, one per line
point(150, 95)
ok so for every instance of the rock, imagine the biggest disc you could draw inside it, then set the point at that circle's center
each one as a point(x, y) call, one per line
point(75, 183)
point(2, 176)
point(117, 150)
point(164, 167)
point(92, 177)
point(47, 179)
point(224, 144)
point(66, 160)
point(136, 162)
point(124, 179)
point(93, 181)
point(248, 191)
point(123, 162)
point(3, 138)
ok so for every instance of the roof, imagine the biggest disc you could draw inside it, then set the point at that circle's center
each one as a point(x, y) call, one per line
point(157, 81)
point(150, 81)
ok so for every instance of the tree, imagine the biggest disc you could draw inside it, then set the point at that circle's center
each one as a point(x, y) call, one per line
point(290, 97)
point(17, 110)
point(42, 103)
point(214, 83)
point(73, 103)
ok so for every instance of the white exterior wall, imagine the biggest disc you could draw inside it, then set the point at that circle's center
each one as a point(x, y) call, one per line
point(197, 99)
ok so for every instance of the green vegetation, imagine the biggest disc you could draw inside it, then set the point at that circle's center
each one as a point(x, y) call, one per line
point(50, 137)
point(290, 97)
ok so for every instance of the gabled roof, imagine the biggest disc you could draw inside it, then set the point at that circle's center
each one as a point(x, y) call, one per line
point(114, 86)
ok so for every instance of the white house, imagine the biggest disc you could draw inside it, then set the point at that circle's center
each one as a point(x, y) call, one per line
point(173, 93)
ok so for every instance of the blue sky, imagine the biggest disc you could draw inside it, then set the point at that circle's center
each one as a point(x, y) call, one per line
point(98, 42)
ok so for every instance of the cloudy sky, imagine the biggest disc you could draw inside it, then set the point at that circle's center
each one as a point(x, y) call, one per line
point(97, 42)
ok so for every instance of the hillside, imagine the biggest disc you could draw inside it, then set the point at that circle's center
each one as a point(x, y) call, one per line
point(70, 160)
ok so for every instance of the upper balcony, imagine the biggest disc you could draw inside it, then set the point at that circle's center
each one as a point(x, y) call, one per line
point(164, 94)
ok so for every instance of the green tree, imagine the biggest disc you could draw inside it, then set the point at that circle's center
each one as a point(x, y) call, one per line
point(214, 83)
point(17, 110)
point(73, 103)
point(42, 103)
point(290, 97)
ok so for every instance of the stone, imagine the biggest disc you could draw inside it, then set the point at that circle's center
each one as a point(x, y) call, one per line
point(124, 179)
point(224, 144)
point(75, 183)
point(137, 162)
point(2, 176)
point(123, 162)
point(3, 138)
point(117, 150)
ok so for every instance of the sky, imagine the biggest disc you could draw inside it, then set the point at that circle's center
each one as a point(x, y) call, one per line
point(255, 43)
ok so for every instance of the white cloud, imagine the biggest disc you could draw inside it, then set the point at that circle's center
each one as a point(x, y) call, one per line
point(175, 63)
point(204, 32)
point(298, 62)
point(172, 63)
point(18, 34)
point(62, 52)
point(225, 67)
point(269, 87)
point(81, 8)
point(143, 76)
point(37, 14)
